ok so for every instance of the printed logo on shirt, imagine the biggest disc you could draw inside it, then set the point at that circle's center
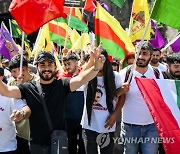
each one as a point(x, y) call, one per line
point(97, 101)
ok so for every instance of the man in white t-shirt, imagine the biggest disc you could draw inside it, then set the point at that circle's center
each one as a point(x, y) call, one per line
point(101, 110)
point(137, 123)
point(155, 58)
point(10, 110)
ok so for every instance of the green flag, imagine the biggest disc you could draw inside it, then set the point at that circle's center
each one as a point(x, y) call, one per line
point(16, 30)
point(167, 12)
point(75, 23)
point(119, 3)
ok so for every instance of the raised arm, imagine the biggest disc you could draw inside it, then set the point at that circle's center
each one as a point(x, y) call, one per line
point(88, 74)
point(9, 91)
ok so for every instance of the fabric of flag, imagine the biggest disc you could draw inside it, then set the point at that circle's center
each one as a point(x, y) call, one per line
point(113, 37)
point(167, 12)
point(32, 14)
point(75, 18)
point(163, 100)
point(176, 45)
point(43, 42)
point(58, 32)
point(74, 36)
point(16, 30)
point(119, 3)
point(82, 42)
point(89, 5)
point(157, 41)
point(6, 36)
point(139, 20)
point(3, 50)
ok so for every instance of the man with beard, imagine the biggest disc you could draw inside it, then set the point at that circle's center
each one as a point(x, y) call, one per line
point(22, 127)
point(155, 58)
point(173, 65)
point(137, 123)
point(74, 106)
point(54, 93)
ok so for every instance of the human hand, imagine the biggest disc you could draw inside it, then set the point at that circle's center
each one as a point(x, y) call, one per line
point(110, 121)
point(17, 115)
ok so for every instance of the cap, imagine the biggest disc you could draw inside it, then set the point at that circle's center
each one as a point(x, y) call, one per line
point(44, 55)
point(173, 58)
point(1, 71)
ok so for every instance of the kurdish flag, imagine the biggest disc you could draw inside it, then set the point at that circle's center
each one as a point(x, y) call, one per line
point(163, 100)
point(113, 37)
point(58, 34)
point(167, 12)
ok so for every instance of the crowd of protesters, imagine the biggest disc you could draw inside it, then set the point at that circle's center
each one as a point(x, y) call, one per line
point(89, 98)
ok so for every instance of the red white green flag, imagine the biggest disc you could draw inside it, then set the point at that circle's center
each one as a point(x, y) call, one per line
point(163, 100)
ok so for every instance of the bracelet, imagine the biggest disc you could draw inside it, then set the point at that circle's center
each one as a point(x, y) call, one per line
point(23, 114)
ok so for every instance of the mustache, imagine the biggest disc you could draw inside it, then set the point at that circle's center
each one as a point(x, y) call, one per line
point(47, 71)
point(140, 59)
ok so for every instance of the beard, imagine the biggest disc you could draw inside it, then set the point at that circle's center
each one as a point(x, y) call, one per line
point(154, 61)
point(46, 77)
point(144, 63)
point(175, 74)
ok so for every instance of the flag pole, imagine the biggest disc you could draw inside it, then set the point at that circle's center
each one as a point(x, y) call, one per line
point(67, 29)
point(21, 52)
point(10, 27)
point(171, 42)
point(139, 47)
point(138, 50)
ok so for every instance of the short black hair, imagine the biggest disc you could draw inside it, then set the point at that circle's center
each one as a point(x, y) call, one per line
point(71, 56)
point(156, 49)
point(147, 46)
point(15, 62)
point(173, 58)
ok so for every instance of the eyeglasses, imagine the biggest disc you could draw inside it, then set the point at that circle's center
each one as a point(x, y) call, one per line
point(143, 76)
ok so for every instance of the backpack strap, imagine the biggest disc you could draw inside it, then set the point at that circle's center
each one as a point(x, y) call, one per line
point(156, 72)
point(127, 74)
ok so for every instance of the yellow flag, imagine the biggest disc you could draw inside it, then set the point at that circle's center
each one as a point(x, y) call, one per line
point(27, 48)
point(138, 21)
point(43, 40)
point(82, 42)
point(74, 36)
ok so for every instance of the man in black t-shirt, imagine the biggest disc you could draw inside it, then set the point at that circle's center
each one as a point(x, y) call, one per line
point(54, 92)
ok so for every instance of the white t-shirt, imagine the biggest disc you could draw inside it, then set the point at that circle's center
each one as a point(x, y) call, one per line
point(162, 67)
point(7, 127)
point(135, 110)
point(100, 111)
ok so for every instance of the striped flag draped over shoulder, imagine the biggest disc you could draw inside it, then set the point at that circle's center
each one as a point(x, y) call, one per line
point(163, 100)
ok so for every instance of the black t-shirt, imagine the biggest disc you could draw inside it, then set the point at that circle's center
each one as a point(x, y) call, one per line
point(54, 95)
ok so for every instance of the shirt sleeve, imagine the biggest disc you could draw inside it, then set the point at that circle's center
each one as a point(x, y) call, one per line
point(23, 89)
point(66, 85)
point(18, 104)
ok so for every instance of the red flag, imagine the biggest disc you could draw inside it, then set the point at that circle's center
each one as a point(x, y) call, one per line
point(89, 5)
point(32, 14)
